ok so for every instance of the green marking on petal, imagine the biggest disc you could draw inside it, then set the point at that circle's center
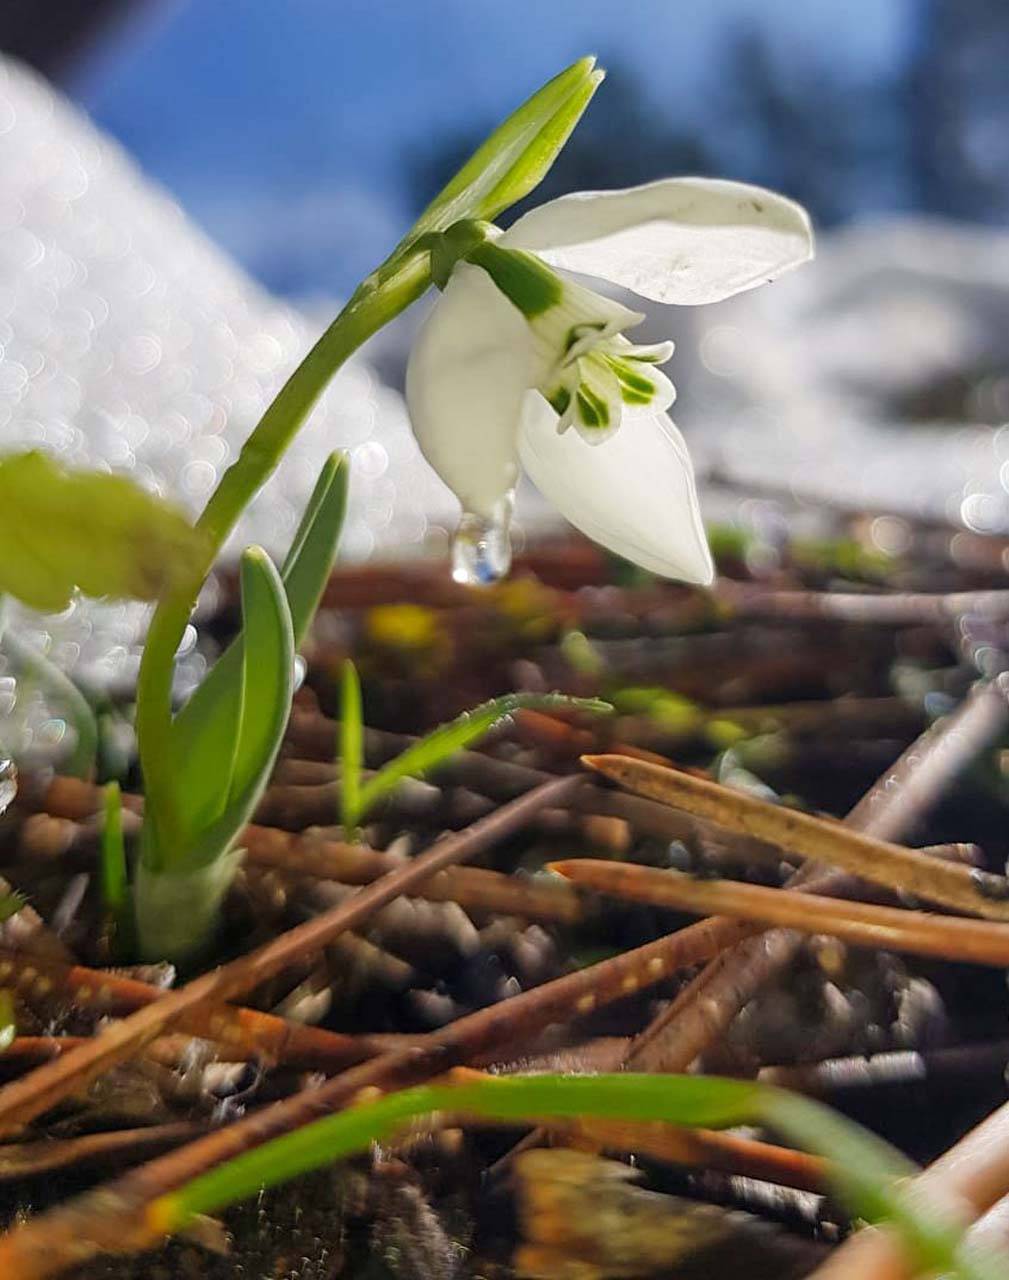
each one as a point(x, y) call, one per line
point(635, 387)
point(593, 411)
point(560, 401)
point(525, 281)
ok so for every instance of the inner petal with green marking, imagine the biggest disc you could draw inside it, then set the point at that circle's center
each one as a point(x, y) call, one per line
point(591, 389)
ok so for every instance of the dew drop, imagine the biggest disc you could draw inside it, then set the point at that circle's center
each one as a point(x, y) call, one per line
point(482, 549)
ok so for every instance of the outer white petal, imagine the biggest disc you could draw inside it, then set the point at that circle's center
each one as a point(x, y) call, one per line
point(683, 240)
point(468, 373)
point(634, 493)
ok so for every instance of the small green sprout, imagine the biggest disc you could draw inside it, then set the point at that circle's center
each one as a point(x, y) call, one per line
point(113, 872)
point(441, 744)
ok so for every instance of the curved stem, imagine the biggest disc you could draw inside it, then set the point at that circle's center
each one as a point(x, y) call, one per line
point(62, 689)
point(376, 302)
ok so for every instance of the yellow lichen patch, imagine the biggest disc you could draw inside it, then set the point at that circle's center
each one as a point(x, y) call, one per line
point(402, 626)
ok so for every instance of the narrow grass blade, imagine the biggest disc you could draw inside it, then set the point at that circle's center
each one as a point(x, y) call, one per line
point(351, 747)
point(866, 1170)
point(113, 856)
point(462, 732)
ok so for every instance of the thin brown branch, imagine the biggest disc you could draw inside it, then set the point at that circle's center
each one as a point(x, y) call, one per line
point(317, 857)
point(701, 1148)
point(864, 925)
point(29, 1159)
point(938, 1067)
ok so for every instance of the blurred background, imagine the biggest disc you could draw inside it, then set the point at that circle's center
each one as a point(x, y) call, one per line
point(272, 153)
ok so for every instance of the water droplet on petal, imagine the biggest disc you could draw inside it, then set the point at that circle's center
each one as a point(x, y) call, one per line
point(482, 549)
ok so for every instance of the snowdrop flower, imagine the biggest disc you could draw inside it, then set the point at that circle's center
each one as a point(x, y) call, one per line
point(519, 364)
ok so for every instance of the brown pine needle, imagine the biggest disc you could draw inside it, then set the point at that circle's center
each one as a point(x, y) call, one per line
point(29, 1159)
point(473, 888)
point(819, 839)
point(864, 925)
point(701, 1148)
point(112, 1219)
point(243, 1033)
point(22, 1100)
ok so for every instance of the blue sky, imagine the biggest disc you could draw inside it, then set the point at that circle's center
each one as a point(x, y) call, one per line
point(283, 125)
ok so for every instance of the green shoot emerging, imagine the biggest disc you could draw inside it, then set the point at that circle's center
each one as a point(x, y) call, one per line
point(868, 1174)
point(205, 768)
point(115, 893)
point(442, 743)
point(351, 748)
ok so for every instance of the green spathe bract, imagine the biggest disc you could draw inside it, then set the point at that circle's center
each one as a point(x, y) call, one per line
point(205, 768)
point(867, 1173)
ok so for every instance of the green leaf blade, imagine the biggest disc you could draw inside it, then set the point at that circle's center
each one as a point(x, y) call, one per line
point(205, 732)
point(88, 530)
point(113, 854)
point(445, 741)
point(267, 686)
point(870, 1172)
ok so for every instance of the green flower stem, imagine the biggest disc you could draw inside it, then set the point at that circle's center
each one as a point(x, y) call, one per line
point(382, 297)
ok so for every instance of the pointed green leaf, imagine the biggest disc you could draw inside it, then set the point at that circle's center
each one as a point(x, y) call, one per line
point(205, 731)
point(443, 742)
point(310, 557)
point(267, 689)
point(62, 530)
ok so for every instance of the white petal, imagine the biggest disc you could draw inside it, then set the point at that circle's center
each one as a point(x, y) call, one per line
point(633, 493)
point(683, 240)
point(468, 373)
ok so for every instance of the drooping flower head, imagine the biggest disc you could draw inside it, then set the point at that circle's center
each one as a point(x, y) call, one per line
point(519, 364)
